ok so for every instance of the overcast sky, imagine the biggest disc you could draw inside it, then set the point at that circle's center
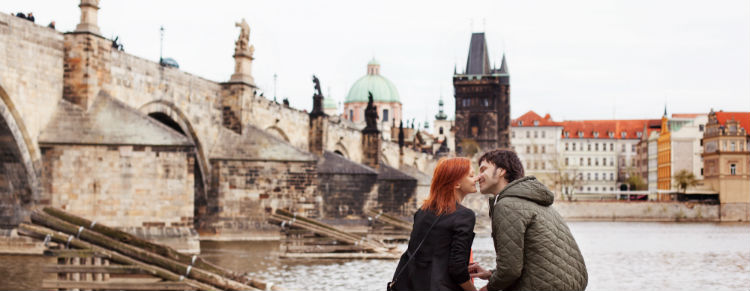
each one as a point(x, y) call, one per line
point(573, 59)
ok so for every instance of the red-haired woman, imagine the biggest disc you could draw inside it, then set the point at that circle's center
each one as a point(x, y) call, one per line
point(438, 254)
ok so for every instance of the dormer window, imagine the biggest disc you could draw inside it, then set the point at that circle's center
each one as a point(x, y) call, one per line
point(520, 123)
point(536, 122)
point(580, 134)
point(611, 134)
point(596, 134)
point(623, 134)
point(567, 134)
point(639, 134)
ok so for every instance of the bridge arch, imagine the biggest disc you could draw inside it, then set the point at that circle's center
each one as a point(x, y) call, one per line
point(19, 165)
point(278, 132)
point(167, 113)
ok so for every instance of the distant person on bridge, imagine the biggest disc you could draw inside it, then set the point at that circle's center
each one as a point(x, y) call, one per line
point(440, 244)
point(534, 248)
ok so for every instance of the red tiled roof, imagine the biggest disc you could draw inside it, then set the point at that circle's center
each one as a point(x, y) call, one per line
point(742, 117)
point(527, 120)
point(589, 128)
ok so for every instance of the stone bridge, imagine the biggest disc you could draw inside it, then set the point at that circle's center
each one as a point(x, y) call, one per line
point(81, 118)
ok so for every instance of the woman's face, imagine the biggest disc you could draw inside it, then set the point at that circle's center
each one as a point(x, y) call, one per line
point(466, 185)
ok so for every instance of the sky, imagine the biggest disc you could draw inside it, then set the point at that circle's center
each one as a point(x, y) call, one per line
point(572, 59)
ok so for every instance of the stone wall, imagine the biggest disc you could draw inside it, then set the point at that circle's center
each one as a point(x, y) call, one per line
point(637, 211)
point(345, 195)
point(31, 58)
point(397, 197)
point(244, 193)
point(122, 186)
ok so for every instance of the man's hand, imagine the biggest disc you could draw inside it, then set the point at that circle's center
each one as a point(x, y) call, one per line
point(478, 272)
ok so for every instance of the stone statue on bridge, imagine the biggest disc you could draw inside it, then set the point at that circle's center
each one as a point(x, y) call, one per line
point(317, 99)
point(242, 46)
point(371, 115)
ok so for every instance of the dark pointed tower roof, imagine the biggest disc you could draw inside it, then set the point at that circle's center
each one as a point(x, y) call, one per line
point(478, 62)
point(503, 66)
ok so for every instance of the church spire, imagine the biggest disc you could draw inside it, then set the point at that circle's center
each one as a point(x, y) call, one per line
point(441, 114)
point(503, 66)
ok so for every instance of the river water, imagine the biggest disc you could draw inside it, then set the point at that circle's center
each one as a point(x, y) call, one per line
point(619, 256)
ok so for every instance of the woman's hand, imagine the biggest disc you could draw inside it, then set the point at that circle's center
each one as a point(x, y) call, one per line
point(475, 271)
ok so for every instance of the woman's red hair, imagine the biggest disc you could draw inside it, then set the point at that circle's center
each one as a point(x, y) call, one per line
point(442, 199)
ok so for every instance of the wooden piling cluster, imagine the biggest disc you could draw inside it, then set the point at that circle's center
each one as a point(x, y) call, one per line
point(307, 238)
point(99, 247)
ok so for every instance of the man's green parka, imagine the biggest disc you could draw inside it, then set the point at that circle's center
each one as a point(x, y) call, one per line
point(534, 247)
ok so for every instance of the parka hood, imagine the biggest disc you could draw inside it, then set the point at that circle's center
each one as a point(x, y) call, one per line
point(528, 188)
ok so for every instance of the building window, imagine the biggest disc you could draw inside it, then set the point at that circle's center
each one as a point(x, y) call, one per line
point(566, 161)
point(639, 134)
point(731, 147)
point(701, 127)
point(596, 147)
point(543, 135)
point(596, 134)
point(544, 165)
point(580, 161)
point(611, 176)
point(574, 146)
point(441, 130)
point(520, 123)
point(623, 148)
point(385, 115)
point(588, 176)
point(544, 149)
point(567, 134)
point(536, 122)
point(611, 134)
point(536, 149)
point(566, 146)
point(528, 134)
point(351, 115)
point(580, 134)
point(596, 162)
point(536, 134)
point(589, 161)
point(612, 162)
point(701, 171)
point(623, 134)
point(596, 176)
point(588, 189)
point(485, 102)
point(733, 169)
point(632, 148)
point(528, 149)
point(512, 134)
point(589, 147)
point(604, 161)
point(611, 147)
point(596, 188)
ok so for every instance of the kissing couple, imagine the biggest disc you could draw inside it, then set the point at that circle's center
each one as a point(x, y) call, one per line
point(534, 249)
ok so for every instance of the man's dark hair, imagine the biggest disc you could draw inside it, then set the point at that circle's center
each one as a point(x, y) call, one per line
point(507, 160)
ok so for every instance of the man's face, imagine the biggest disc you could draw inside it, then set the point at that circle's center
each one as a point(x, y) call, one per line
point(489, 177)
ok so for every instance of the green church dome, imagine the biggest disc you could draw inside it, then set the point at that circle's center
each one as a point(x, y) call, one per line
point(382, 89)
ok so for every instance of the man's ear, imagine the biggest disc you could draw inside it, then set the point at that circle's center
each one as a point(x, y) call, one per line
point(501, 172)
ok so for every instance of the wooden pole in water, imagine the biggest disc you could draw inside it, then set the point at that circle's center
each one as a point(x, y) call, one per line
point(137, 253)
point(162, 250)
point(41, 232)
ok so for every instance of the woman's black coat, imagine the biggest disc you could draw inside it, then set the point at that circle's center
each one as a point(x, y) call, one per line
point(442, 261)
